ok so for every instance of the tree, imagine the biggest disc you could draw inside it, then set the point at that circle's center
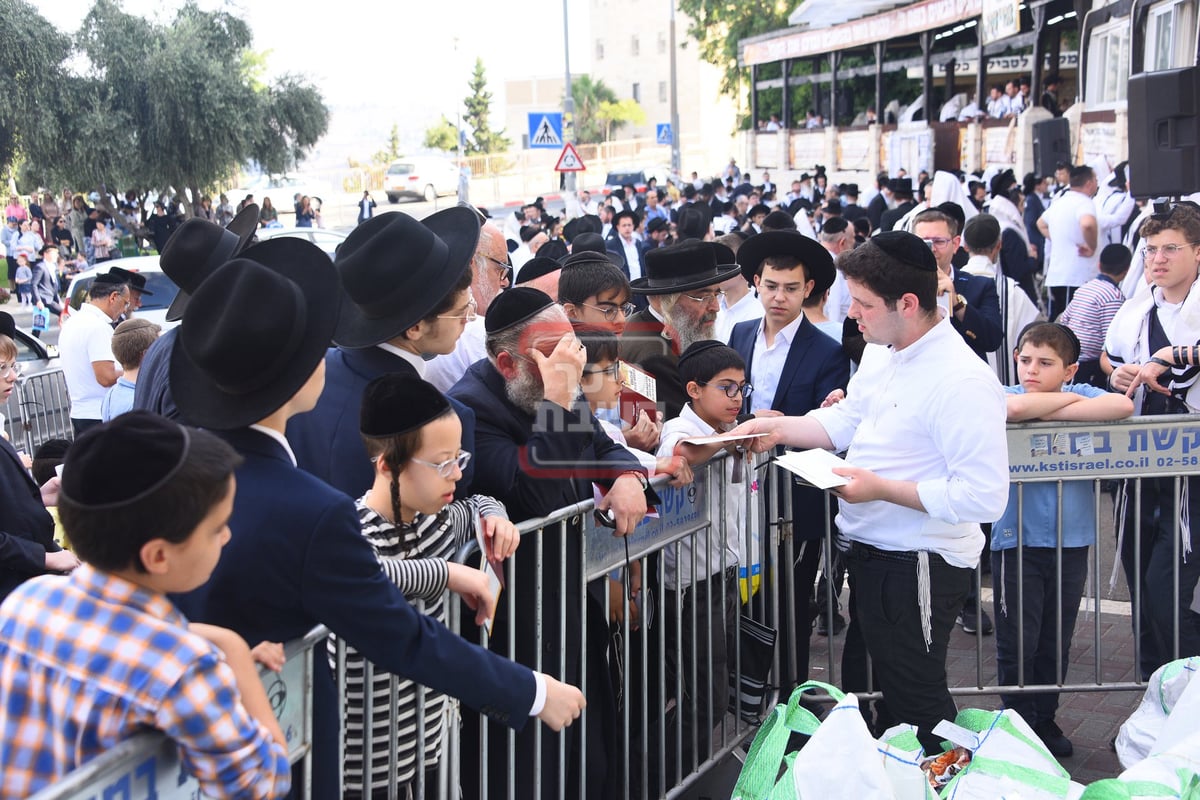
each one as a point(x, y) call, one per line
point(484, 140)
point(589, 95)
point(30, 54)
point(393, 151)
point(441, 136)
point(622, 112)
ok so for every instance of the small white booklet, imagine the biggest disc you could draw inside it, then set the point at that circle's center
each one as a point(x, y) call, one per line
point(721, 438)
point(815, 466)
point(493, 570)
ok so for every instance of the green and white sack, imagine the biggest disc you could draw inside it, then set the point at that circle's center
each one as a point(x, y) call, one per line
point(1171, 775)
point(1139, 734)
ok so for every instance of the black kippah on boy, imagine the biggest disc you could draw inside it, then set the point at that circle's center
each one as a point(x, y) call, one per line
point(398, 403)
point(696, 348)
point(124, 461)
point(907, 249)
point(513, 307)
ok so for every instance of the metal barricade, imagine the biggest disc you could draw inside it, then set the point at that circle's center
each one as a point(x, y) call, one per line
point(148, 765)
point(39, 409)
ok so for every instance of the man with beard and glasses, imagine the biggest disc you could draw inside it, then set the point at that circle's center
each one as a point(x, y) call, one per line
point(543, 449)
point(682, 283)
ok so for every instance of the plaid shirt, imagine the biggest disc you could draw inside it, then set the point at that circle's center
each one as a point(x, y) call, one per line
point(89, 660)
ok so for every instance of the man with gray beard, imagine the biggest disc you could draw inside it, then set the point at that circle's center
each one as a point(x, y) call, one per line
point(682, 285)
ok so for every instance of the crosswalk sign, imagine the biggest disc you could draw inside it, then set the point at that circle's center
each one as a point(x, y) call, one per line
point(545, 130)
point(663, 133)
point(569, 160)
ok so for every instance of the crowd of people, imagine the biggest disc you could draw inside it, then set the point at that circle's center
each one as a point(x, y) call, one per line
point(315, 458)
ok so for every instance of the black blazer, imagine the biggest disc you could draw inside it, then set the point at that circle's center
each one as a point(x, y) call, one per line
point(26, 527)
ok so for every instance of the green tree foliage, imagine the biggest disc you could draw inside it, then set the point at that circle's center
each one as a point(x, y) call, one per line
point(30, 54)
point(622, 112)
point(158, 105)
point(441, 136)
point(589, 95)
point(484, 140)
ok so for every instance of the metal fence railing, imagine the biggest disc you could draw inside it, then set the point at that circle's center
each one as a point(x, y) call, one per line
point(39, 409)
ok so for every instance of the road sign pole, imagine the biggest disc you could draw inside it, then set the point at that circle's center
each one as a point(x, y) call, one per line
point(568, 107)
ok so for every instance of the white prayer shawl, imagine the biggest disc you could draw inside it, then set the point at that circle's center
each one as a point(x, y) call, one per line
point(1009, 217)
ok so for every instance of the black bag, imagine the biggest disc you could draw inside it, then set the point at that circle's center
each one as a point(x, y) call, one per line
point(750, 697)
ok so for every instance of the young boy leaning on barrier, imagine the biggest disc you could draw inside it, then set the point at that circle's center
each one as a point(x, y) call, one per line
point(1047, 358)
point(94, 658)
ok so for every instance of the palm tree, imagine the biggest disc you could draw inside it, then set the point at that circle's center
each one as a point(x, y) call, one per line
point(588, 95)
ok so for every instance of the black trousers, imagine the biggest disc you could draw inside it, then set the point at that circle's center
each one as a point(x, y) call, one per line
point(911, 675)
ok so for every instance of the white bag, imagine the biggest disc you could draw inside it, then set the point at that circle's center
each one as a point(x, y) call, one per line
point(1138, 735)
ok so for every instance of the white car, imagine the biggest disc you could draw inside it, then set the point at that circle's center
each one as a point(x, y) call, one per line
point(420, 178)
point(282, 190)
point(154, 307)
point(323, 238)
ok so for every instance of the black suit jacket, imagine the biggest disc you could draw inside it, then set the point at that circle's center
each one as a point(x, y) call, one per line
point(644, 344)
point(26, 527)
point(153, 389)
point(981, 327)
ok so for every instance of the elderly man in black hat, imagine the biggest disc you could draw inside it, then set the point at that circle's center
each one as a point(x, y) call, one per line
point(405, 287)
point(682, 285)
point(137, 288)
point(297, 557)
point(193, 253)
point(543, 449)
point(926, 461)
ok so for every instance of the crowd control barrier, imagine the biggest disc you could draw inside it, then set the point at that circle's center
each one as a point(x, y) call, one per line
point(148, 765)
point(38, 409)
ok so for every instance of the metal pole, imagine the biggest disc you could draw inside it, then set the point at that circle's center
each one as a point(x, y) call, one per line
point(675, 160)
point(568, 101)
point(458, 134)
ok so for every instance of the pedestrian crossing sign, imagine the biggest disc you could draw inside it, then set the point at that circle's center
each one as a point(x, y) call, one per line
point(545, 130)
point(663, 133)
point(569, 160)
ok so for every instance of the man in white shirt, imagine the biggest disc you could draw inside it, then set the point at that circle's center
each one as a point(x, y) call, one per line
point(1115, 207)
point(1072, 227)
point(997, 104)
point(85, 347)
point(927, 461)
point(837, 237)
point(626, 245)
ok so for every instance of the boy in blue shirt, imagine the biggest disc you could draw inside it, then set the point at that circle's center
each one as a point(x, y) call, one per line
point(1047, 357)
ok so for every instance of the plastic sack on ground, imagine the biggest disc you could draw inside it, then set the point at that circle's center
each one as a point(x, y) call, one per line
point(1137, 737)
point(1173, 774)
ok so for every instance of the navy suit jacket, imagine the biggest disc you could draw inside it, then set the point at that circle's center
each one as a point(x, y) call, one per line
point(616, 246)
point(981, 326)
point(26, 527)
point(326, 440)
point(153, 389)
point(814, 367)
point(45, 287)
point(297, 558)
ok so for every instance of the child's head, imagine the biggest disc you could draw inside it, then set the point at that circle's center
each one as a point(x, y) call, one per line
point(1047, 356)
point(148, 498)
point(601, 383)
point(131, 340)
point(415, 440)
point(47, 457)
point(715, 378)
point(1115, 260)
point(594, 291)
point(982, 235)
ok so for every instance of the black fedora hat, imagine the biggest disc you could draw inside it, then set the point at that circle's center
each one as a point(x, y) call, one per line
point(136, 280)
point(688, 265)
point(254, 333)
point(395, 269)
point(626, 212)
point(197, 248)
point(818, 263)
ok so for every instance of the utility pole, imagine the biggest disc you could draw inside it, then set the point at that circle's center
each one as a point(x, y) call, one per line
point(675, 160)
point(568, 105)
point(463, 179)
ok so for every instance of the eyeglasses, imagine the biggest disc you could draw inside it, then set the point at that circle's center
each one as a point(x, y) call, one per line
point(446, 468)
point(1169, 250)
point(468, 312)
point(937, 242)
point(731, 390)
point(610, 310)
point(500, 266)
point(613, 371)
point(13, 368)
point(707, 297)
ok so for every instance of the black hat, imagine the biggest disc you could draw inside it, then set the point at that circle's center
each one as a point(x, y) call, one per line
point(760, 208)
point(626, 212)
point(48, 246)
point(588, 223)
point(694, 220)
point(136, 280)
point(397, 403)
point(123, 461)
point(778, 220)
point(835, 225)
point(804, 176)
point(657, 224)
point(1001, 182)
point(555, 249)
point(907, 249)
point(690, 264)
point(8, 325)
point(588, 241)
point(197, 248)
point(108, 279)
point(954, 211)
point(528, 232)
point(851, 190)
point(696, 348)
point(394, 270)
point(536, 267)
point(900, 186)
point(514, 306)
point(254, 334)
point(818, 263)
point(833, 206)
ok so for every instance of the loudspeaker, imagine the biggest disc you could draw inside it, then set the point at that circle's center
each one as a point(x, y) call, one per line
point(1164, 152)
point(1051, 145)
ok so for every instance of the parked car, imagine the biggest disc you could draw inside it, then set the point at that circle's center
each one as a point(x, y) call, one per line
point(282, 190)
point(638, 178)
point(34, 355)
point(323, 238)
point(154, 307)
point(420, 178)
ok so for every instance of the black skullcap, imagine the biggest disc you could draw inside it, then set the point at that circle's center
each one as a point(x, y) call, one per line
point(696, 348)
point(123, 461)
point(982, 232)
point(397, 403)
point(528, 232)
point(536, 267)
point(778, 221)
point(835, 225)
point(588, 242)
point(514, 306)
point(955, 212)
point(907, 249)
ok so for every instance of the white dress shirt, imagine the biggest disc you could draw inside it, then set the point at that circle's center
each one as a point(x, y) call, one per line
point(768, 363)
point(931, 413)
point(418, 363)
point(1065, 266)
point(444, 371)
point(747, 308)
point(86, 337)
point(630, 247)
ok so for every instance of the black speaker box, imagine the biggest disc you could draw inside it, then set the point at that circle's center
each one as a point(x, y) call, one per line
point(1051, 145)
point(1164, 152)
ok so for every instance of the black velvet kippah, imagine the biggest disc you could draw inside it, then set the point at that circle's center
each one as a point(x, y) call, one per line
point(123, 461)
point(587, 242)
point(907, 249)
point(835, 225)
point(514, 306)
point(954, 211)
point(696, 348)
point(536, 267)
point(398, 403)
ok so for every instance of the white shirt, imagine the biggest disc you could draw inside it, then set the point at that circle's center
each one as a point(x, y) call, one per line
point(837, 305)
point(631, 257)
point(444, 371)
point(418, 363)
point(932, 413)
point(1114, 208)
point(519, 257)
point(615, 433)
point(1066, 267)
point(277, 436)
point(686, 425)
point(749, 307)
point(86, 336)
point(768, 363)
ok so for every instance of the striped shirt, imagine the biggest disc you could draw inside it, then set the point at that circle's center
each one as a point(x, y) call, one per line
point(87, 661)
point(413, 556)
point(1090, 312)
